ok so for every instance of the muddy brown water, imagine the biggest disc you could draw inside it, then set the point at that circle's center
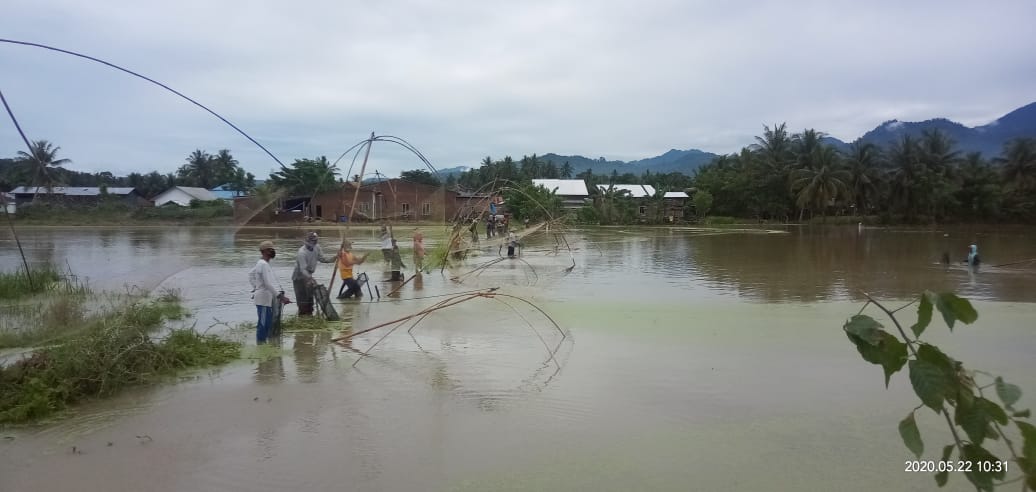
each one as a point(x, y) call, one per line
point(693, 360)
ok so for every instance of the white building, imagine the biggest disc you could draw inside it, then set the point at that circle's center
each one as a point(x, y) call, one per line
point(572, 192)
point(182, 195)
point(635, 190)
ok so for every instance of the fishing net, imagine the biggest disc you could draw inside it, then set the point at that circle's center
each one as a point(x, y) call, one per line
point(352, 201)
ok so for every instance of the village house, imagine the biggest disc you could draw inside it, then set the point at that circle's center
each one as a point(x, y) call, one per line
point(7, 201)
point(182, 196)
point(470, 204)
point(641, 195)
point(572, 192)
point(393, 199)
point(80, 195)
point(675, 202)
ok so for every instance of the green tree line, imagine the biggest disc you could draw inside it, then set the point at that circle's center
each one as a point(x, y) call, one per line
point(42, 167)
point(788, 177)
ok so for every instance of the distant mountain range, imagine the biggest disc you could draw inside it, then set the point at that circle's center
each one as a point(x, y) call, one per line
point(988, 139)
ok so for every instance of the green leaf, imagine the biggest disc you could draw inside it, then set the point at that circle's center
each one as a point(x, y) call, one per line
point(976, 418)
point(1029, 436)
point(911, 436)
point(889, 352)
point(933, 376)
point(973, 419)
point(982, 480)
point(1022, 414)
point(865, 328)
point(942, 477)
point(1008, 393)
point(954, 308)
point(924, 313)
point(995, 411)
point(991, 433)
point(930, 383)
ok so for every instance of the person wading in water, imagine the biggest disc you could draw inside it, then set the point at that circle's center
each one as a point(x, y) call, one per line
point(386, 244)
point(302, 278)
point(266, 291)
point(346, 260)
point(418, 251)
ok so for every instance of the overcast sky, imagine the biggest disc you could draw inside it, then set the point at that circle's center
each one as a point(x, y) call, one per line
point(461, 80)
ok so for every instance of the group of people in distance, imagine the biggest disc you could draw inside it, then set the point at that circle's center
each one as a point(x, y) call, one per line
point(266, 289)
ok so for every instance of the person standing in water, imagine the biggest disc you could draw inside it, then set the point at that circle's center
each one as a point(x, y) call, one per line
point(512, 242)
point(302, 278)
point(346, 260)
point(266, 291)
point(397, 262)
point(418, 251)
point(973, 259)
point(386, 243)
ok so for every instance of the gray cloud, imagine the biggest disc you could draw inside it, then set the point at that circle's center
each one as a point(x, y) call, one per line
point(462, 80)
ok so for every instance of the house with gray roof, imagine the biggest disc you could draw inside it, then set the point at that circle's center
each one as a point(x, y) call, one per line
point(183, 195)
point(84, 195)
point(572, 192)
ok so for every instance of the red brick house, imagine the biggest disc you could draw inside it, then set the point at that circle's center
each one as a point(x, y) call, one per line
point(392, 199)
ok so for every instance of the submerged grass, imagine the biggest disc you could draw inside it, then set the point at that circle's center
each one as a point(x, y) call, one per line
point(112, 351)
point(17, 284)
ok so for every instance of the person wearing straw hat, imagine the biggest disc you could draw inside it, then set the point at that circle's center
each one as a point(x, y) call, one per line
point(302, 278)
point(346, 259)
point(266, 291)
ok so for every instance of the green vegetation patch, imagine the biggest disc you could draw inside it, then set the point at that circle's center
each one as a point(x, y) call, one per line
point(17, 284)
point(112, 352)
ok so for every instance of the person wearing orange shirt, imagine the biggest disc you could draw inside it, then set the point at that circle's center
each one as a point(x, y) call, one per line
point(346, 260)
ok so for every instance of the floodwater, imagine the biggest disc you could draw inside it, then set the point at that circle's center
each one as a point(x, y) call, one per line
point(692, 360)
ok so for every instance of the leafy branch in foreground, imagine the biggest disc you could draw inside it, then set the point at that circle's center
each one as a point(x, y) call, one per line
point(948, 388)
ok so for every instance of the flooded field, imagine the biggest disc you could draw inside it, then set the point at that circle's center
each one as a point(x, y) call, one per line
point(692, 360)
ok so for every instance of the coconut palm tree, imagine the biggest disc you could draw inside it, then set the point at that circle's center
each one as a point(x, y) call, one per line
point(819, 186)
point(980, 192)
point(804, 147)
point(863, 163)
point(1019, 162)
point(226, 171)
point(199, 170)
point(41, 162)
point(774, 147)
point(611, 204)
point(906, 177)
point(566, 170)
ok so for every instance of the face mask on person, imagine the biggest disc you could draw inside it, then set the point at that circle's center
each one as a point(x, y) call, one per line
point(272, 253)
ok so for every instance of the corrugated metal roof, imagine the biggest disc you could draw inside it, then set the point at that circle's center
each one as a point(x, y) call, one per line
point(676, 194)
point(564, 187)
point(198, 193)
point(636, 190)
point(72, 191)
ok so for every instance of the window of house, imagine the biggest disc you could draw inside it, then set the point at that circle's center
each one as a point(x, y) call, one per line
point(643, 209)
point(426, 208)
point(406, 208)
point(365, 207)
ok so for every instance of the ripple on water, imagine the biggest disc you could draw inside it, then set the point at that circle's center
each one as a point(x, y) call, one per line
point(90, 418)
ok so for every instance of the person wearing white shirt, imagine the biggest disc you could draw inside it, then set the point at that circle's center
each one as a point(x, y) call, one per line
point(266, 290)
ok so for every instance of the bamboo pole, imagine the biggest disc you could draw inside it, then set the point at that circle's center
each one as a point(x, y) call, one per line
point(352, 208)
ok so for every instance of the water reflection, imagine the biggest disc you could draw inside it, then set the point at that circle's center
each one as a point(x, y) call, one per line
point(309, 349)
point(809, 264)
point(270, 370)
point(802, 265)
